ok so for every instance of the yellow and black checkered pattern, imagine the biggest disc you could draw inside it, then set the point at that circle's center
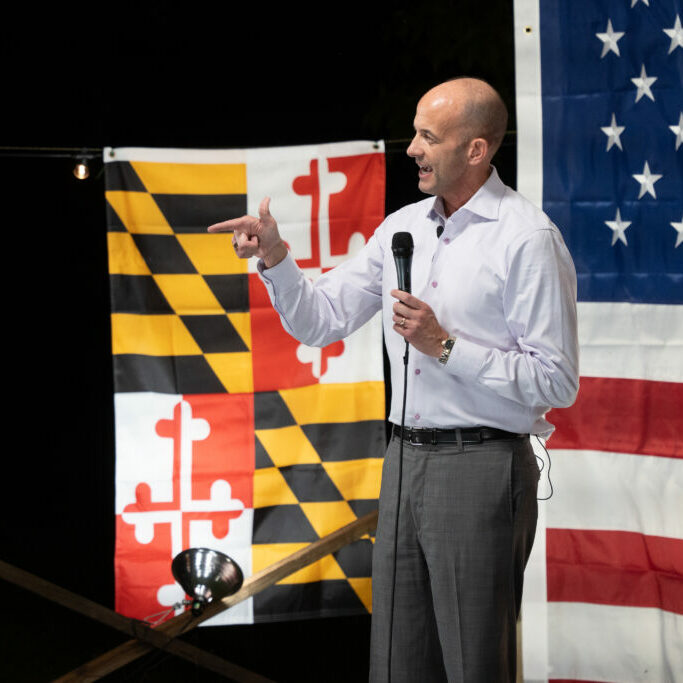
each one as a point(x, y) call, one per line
point(180, 302)
point(318, 467)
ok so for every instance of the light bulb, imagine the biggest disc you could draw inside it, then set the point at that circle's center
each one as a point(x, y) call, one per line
point(81, 170)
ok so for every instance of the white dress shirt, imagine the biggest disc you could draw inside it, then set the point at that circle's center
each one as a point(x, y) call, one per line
point(499, 279)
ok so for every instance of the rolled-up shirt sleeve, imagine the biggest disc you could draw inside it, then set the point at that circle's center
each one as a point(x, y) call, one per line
point(338, 303)
point(539, 303)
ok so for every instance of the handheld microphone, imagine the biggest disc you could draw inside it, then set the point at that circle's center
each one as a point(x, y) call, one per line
point(402, 247)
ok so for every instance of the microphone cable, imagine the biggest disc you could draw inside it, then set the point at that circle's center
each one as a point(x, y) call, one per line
point(398, 508)
point(542, 467)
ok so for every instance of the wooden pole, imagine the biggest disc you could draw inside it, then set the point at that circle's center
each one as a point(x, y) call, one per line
point(132, 627)
point(133, 649)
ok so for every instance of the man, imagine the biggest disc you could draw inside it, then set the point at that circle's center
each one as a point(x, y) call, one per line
point(493, 345)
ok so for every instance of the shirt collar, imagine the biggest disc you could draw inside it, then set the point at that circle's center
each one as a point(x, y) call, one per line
point(485, 202)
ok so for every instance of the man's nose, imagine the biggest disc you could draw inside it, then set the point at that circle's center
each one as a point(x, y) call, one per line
point(413, 148)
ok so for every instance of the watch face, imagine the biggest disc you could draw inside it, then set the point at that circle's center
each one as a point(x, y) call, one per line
point(447, 345)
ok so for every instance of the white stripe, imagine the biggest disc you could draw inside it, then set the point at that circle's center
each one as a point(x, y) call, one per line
point(528, 100)
point(238, 156)
point(534, 614)
point(530, 184)
point(631, 341)
point(609, 643)
point(616, 492)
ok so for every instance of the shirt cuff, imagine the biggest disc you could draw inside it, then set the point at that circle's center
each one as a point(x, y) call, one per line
point(466, 359)
point(283, 275)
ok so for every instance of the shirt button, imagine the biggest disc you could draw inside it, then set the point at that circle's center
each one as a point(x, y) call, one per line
point(447, 240)
point(417, 416)
point(417, 372)
point(435, 284)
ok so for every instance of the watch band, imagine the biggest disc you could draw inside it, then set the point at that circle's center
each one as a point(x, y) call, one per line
point(447, 346)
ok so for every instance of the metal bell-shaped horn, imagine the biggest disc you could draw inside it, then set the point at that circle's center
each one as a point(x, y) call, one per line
point(206, 575)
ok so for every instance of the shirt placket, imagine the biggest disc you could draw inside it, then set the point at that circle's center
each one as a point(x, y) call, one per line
point(415, 361)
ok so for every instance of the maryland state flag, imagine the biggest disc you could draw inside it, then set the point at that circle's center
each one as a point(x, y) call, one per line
point(229, 433)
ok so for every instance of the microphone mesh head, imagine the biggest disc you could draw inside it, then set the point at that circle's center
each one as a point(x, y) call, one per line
point(402, 242)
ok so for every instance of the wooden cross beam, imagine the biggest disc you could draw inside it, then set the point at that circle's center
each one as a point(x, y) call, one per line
point(164, 636)
point(132, 627)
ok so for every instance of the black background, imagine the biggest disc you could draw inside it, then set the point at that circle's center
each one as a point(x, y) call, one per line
point(204, 76)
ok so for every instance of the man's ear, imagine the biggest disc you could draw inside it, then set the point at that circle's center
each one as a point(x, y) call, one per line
point(477, 152)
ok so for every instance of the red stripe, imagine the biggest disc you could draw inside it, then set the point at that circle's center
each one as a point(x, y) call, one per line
point(622, 416)
point(615, 568)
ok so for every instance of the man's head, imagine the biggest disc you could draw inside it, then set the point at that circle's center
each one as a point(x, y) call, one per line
point(459, 126)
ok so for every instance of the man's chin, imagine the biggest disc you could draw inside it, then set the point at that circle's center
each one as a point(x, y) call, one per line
point(425, 186)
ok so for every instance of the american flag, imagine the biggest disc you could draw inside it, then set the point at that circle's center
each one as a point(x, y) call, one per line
point(600, 135)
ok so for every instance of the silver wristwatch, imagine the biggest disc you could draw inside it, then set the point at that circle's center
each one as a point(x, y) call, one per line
point(446, 346)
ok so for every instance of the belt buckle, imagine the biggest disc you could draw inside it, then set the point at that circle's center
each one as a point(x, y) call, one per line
point(413, 440)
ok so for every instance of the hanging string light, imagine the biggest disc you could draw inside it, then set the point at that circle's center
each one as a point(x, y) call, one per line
point(81, 169)
point(81, 156)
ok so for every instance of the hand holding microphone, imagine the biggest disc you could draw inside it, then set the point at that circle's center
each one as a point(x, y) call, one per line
point(413, 319)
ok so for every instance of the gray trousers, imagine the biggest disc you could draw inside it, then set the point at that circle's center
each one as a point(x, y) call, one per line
point(467, 519)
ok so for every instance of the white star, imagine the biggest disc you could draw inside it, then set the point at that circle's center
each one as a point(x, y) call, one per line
point(634, 2)
point(678, 227)
point(618, 228)
point(643, 83)
point(613, 133)
point(647, 181)
point(609, 40)
point(676, 35)
point(678, 131)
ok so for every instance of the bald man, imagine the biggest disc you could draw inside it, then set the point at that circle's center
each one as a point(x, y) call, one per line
point(493, 346)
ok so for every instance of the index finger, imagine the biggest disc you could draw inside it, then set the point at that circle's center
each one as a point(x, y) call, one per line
point(243, 223)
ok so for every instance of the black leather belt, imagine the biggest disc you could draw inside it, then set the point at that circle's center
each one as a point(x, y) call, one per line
point(425, 437)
